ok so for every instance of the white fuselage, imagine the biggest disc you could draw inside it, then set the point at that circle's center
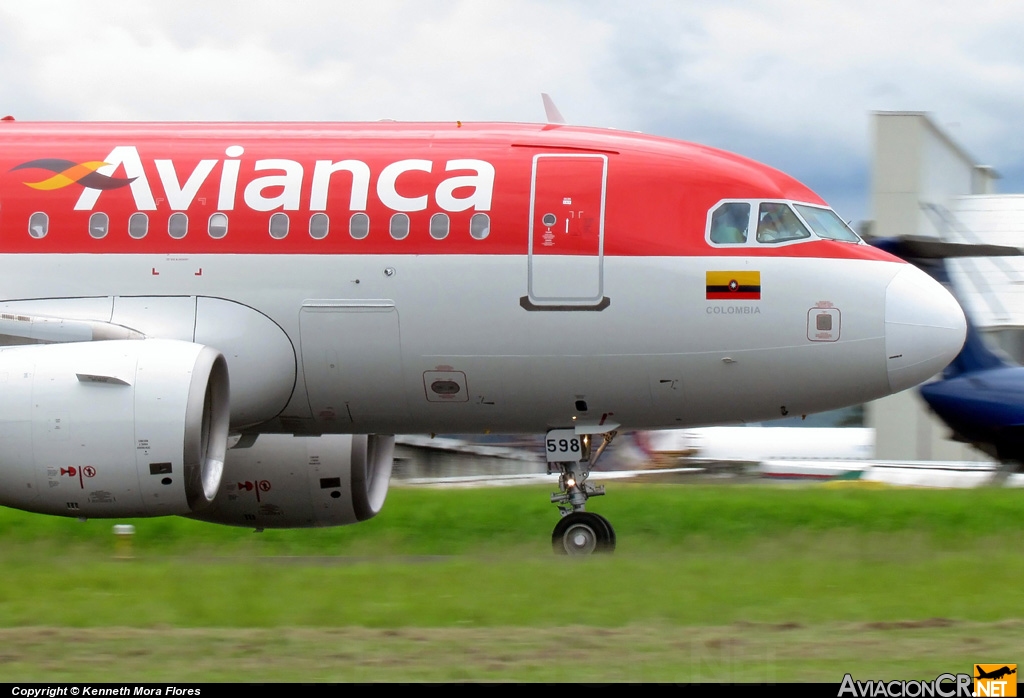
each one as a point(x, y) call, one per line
point(368, 336)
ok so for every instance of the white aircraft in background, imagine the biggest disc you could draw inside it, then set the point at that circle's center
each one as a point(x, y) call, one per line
point(753, 444)
point(169, 290)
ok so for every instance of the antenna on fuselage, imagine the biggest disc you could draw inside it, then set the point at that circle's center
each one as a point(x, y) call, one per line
point(550, 110)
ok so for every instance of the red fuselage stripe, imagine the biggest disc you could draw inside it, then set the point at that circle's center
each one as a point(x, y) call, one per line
point(423, 188)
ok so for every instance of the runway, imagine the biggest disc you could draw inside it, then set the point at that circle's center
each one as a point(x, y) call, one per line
point(939, 474)
point(944, 474)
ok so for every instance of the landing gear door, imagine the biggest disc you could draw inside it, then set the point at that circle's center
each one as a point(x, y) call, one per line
point(566, 257)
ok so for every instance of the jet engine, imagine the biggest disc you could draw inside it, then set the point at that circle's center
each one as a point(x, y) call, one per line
point(282, 481)
point(112, 428)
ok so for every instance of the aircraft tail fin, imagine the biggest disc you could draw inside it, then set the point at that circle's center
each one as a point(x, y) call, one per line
point(975, 356)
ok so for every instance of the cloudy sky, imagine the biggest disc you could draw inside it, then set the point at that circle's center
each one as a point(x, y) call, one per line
point(788, 82)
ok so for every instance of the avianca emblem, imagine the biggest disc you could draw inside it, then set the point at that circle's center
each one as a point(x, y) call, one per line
point(67, 173)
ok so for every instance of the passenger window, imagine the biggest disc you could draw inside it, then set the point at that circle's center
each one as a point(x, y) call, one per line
point(99, 225)
point(479, 226)
point(399, 226)
point(38, 225)
point(826, 224)
point(218, 226)
point(777, 223)
point(729, 224)
point(359, 226)
point(439, 226)
point(319, 224)
point(279, 226)
point(138, 225)
point(177, 225)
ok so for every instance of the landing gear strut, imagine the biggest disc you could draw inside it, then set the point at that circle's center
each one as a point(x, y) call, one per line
point(579, 532)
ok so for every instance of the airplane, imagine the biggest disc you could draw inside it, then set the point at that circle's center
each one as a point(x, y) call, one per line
point(995, 673)
point(980, 395)
point(229, 321)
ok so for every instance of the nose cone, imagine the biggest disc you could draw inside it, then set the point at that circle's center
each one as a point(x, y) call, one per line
point(924, 328)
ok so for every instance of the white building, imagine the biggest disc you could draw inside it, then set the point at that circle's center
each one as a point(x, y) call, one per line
point(924, 183)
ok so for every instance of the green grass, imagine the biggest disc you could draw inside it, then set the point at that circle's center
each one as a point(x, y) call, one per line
point(797, 581)
point(648, 518)
point(840, 578)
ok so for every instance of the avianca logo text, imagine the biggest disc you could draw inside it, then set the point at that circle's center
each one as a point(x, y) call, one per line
point(471, 185)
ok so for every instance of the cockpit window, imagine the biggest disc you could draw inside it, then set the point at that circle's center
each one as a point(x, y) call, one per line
point(826, 224)
point(777, 223)
point(729, 224)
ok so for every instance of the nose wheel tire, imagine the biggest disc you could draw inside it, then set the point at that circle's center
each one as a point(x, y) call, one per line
point(610, 545)
point(583, 533)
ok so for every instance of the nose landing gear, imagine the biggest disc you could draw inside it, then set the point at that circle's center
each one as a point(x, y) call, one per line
point(579, 532)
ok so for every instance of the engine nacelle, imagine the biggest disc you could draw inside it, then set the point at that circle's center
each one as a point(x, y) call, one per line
point(112, 428)
point(285, 481)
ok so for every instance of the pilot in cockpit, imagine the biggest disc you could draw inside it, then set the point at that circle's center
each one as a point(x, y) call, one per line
point(729, 224)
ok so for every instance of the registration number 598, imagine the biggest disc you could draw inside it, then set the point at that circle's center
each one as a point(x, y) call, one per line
point(563, 445)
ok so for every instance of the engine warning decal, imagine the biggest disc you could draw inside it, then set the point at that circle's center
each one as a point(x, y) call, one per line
point(79, 473)
point(258, 486)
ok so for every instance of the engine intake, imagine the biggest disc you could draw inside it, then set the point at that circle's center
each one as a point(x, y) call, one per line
point(283, 481)
point(112, 428)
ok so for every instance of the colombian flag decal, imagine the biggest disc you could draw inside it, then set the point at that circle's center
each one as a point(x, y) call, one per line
point(734, 285)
